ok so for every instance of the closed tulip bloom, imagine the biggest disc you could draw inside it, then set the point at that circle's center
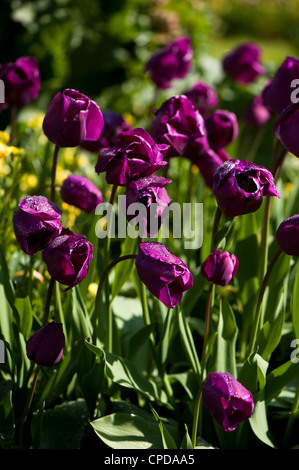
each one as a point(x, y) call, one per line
point(21, 80)
point(165, 275)
point(45, 347)
point(114, 124)
point(256, 114)
point(222, 128)
point(203, 97)
point(68, 257)
point(286, 128)
point(152, 195)
point(171, 62)
point(80, 192)
point(287, 235)
point(36, 223)
point(220, 267)
point(135, 155)
point(228, 401)
point(239, 187)
point(73, 119)
point(179, 125)
point(243, 64)
point(278, 90)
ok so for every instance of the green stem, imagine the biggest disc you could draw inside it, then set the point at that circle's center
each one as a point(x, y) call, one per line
point(203, 365)
point(258, 310)
point(48, 301)
point(217, 218)
point(53, 174)
point(100, 288)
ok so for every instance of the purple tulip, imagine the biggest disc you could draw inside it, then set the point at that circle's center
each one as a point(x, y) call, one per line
point(243, 63)
point(45, 347)
point(278, 90)
point(286, 128)
point(256, 114)
point(170, 62)
point(287, 235)
point(239, 187)
point(202, 96)
point(220, 268)
point(222, 128)
point(67, 258)
point(165, 275)
point(81, 192)
point(208, 161)
point(135, 155)
point(149, 192)
point(179, 125)
point(114, 124)
point(21, 80)
point(73, 119)
point(36, 223)
point(227, 400)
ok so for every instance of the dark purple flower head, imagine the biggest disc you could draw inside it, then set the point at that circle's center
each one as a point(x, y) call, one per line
point(152, 199)
point(202, 96)
point(286, 128)
point(36, 223)
point(220, 267)
point(222, 128)
point(287, 235)
point(114, 124)
point(227, 400)
point(278, 90)
point(207, 161)
point(239, 187)
point(178, 124)
point(73, 119)
point(45, 346)
point(256, 114)
point(243, 63)
point(21, 80)
point(165, 275)
point(170, 62)
point(135, 155)
point(80, 192)
point(67, 258)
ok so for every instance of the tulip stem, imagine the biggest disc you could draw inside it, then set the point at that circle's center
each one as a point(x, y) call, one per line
point(29, 401)
point(203, 365)
point(48, 301)
point(54, 170)
point(258, 309)
point(217, 218)
point(100, 288)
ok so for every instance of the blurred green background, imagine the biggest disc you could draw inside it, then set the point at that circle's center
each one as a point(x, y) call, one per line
point(100, 47)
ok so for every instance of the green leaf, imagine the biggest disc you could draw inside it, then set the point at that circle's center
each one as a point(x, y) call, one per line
point(128, 431)
point(258, 420)
point(167, 439)
point(278, 378)
point(138, 339)
point(6, 410)
point(122, 270)
point(270, 334)
point(188, 343)
point(252, 374)
point(123, 372)
point(187, 441)
point(295, 304)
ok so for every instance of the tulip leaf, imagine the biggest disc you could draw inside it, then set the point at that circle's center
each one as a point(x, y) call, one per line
point(270, 334)
point(188, 343)
point(295, 304)
point(128, 431)
point(122, 270)
point(167, 439)
point(187, 441)
point(138, 339)
point(278, 378)
point(258, 420)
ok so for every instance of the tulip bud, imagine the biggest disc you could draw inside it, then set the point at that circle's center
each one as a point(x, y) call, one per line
point(81, 192)
point(165, 275)
point(222, 128)
point(22, 81)
point(45, 346)
point(220, 268)
point(227, 400)
point(73, 119)
point(67, 258)
point(243, 63)
point(287, 235)
point(36, 223)
point(285, 128)
point(149, 192)
point(239, 187)
point(202, 96)
point(256, 114)
point(170, 62)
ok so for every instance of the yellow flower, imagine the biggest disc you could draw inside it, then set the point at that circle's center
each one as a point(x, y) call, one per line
point(69, 156)
point(61, 174)
point(6, 150)
point(28, 181)
point(36, 121)
point(4, 168)
point(92, 288)
point(4, 137)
